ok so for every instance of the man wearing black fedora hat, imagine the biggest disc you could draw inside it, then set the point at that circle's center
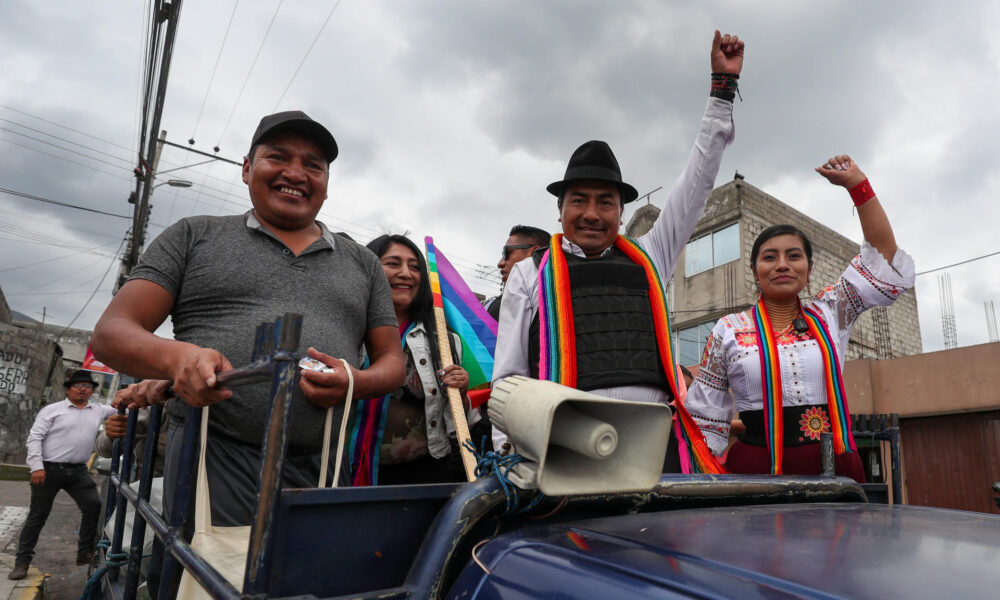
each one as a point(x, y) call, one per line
point(218, 277)
point(59, 445)
point(603, 327)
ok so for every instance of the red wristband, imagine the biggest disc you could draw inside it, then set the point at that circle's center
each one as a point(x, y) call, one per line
point(861, 193)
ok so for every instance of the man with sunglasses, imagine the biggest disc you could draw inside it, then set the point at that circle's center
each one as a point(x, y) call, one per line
point(59, 444)
point(523, 240)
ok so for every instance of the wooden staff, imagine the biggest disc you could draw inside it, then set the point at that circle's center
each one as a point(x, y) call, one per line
point(454, 397)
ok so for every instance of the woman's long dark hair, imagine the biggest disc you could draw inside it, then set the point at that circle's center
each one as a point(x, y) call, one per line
point(422, 308)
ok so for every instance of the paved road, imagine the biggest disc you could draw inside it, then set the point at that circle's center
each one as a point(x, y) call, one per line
point(56, 550)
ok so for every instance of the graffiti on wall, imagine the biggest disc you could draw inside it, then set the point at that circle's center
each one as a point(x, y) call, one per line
point(14, 368)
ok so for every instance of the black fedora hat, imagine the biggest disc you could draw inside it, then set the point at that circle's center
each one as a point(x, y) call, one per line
point(299, 122)
point(594, 160)
point(80, 376)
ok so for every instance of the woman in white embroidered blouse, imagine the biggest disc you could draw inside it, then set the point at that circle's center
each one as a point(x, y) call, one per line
point(781, 261)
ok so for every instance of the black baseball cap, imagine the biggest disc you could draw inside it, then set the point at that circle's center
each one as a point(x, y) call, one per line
point(299, 122)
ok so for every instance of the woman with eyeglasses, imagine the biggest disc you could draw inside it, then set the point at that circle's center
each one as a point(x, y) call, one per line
point(408, 436)
point(783, 358)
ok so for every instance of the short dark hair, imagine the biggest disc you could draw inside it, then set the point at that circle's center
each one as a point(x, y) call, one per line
point(253, 150)
point(538, 237)
point(775, 231)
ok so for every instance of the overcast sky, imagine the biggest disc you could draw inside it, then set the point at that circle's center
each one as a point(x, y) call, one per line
point(452, 117)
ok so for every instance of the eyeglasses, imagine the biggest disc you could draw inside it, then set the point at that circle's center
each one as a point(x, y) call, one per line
point(507, 249)
point(82, 385)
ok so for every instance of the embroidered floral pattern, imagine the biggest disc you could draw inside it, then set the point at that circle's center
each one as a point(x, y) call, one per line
point(814, 421)
point(748, 338)
point(888, 289)
point(713, 369)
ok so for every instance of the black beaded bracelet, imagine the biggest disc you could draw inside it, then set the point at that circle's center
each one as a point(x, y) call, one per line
point(724, 86)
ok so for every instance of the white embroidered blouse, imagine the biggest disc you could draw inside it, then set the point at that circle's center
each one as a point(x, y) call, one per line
point(731, 360)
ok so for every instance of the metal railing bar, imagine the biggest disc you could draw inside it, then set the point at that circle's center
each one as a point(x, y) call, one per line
point(170, 575)
point(120, 505)
point(145, 485)
point(288, 331)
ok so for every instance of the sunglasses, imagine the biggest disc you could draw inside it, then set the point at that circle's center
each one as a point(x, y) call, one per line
point(82, 385)
point(509, 247)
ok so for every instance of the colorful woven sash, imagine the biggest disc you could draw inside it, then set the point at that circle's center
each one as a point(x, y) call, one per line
point(557, 339)
point(369, 426)
point(770, 375)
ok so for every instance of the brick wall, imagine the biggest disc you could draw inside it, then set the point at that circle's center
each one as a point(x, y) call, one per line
point(30, 376)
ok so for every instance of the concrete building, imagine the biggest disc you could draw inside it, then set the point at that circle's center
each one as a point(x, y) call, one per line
point(713, 277)
point(30, 369)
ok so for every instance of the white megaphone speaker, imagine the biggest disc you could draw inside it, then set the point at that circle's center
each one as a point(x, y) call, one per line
point(579, 443)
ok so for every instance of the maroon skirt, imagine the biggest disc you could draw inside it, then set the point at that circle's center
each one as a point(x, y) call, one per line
point(796, 460)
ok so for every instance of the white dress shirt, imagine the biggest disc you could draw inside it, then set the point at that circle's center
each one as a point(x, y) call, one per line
point(665, 241)
point(64, 433)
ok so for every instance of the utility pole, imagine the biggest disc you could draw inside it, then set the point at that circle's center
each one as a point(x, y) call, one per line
point(140, 218)
point(149, 156)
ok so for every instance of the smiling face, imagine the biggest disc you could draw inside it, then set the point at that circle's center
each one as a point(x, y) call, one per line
point(782, 267)
point(402, 269)
point(591, 214)
point(287, 176)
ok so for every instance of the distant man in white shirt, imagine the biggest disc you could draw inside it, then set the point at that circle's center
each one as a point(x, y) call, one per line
point(59, 444)
point(616, 352)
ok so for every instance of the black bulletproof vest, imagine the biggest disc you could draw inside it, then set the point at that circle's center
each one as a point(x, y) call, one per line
point(615, 338)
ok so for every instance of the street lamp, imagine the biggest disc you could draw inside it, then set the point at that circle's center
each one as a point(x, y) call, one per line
point(181, 183)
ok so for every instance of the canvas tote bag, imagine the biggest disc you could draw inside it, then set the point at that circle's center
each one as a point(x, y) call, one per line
point(225, 548)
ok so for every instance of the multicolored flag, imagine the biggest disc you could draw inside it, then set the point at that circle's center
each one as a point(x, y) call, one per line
point(468, 319)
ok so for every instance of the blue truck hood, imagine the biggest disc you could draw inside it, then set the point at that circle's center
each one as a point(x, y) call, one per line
point(772, 551)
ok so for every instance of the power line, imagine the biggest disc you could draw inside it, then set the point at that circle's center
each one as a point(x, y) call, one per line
point(62, 277)
point(85, 304)
point(211, 79)
point(959, 263)
point(47, 143)
point(63, 158)
point(47, 260)
point(21, 214)
point(61, 139)
point(250, 72)
point(56, 202)
point(62, 293)
point(27, 114)
point(303, 61)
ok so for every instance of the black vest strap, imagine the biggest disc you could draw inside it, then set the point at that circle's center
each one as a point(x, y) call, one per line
point(615, 336)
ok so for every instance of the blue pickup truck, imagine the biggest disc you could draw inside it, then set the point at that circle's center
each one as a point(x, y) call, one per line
point(678, 536)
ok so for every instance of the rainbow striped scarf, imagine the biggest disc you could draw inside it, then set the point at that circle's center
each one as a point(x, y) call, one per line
point(369, 426)
point(770, 375)
point(557, 339)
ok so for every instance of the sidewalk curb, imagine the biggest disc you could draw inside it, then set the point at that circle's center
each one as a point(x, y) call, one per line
point(31, 587)
point(9, 472)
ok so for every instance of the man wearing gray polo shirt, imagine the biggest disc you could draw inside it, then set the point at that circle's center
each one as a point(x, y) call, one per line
point(218, 277)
